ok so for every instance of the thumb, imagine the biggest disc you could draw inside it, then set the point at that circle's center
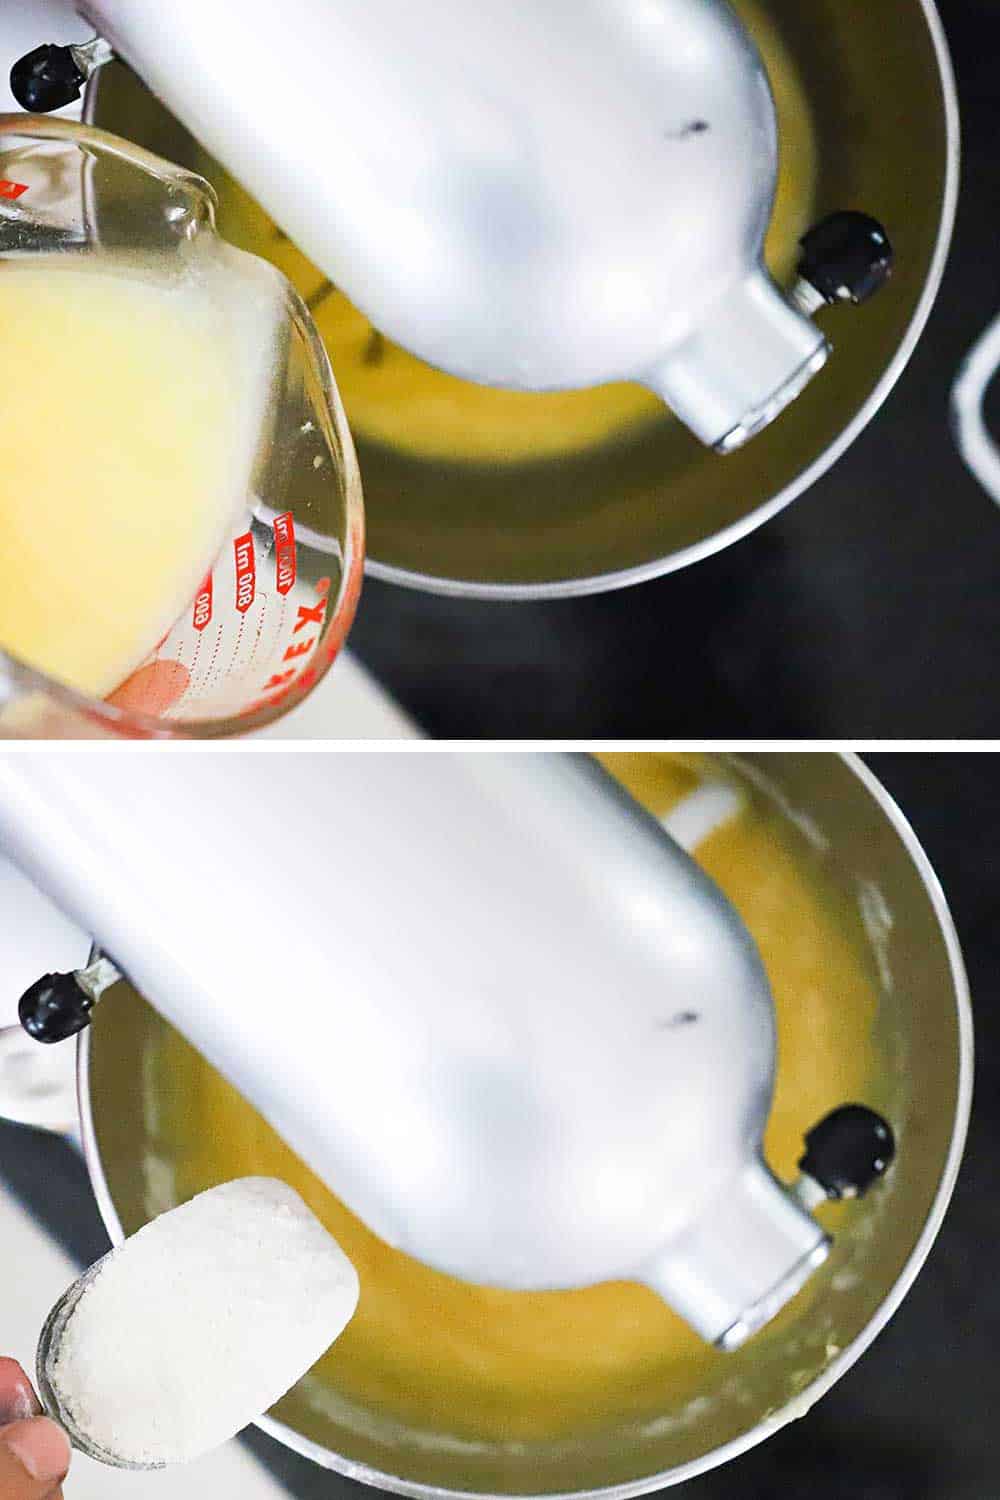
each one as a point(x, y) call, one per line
point(34, 1459)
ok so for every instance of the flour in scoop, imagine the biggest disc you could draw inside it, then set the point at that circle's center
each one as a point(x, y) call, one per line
point(200, 1322)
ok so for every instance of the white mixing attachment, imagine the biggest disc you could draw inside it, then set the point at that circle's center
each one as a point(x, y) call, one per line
point(540, 196)
point(486, 998)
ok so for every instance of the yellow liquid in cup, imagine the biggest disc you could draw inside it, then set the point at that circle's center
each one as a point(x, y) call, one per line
point(131, 408)
point(437, 1355)
point(395, 399)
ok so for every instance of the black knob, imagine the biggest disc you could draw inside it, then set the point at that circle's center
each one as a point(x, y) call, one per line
point(848, 1150)
point(54, 1008)
point(847, 257)
point(46, 79)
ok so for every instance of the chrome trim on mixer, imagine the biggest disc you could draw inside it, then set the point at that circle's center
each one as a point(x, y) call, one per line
point(768, 1307)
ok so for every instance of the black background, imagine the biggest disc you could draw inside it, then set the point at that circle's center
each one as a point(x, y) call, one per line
point(915, 1419)
point(869, 608)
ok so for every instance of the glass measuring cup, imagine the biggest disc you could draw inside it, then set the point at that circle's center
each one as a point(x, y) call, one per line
point(270, 612)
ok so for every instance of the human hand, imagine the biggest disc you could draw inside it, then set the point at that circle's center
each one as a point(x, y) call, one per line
point(34, 1450)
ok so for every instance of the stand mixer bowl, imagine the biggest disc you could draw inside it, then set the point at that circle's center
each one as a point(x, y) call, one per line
point(494, 493)
point(924, 1087)
point(268, 618)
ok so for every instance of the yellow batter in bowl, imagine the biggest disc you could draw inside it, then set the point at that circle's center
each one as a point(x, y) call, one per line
point(436, 1355)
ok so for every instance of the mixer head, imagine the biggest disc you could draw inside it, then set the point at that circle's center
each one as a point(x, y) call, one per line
point(577, 199)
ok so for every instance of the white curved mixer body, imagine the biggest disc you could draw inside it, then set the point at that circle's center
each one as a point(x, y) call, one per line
point(486, 998)
point(540, 195)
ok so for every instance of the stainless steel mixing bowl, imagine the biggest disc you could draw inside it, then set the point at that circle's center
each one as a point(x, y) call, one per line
point(882, 99)
point(924, 1036)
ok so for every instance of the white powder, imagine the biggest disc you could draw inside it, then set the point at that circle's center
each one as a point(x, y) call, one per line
point(201, 1321)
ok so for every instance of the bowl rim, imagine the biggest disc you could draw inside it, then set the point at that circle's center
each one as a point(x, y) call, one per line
point(598, 583)
point(801, 1403)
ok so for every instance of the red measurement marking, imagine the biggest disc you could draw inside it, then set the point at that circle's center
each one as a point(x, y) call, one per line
point(10, 189)
point(284, 545)
point(246, 572)
point(281, 684)
point(299, 648)
point(337, 634)
point(307, 616)
point(203, 604)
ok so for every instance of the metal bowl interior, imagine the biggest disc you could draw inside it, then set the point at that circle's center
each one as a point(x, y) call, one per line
point(925, 1088)
point(652, 500)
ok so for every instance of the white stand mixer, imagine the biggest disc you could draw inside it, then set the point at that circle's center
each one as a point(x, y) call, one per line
point(486, 998)
point(541, 196)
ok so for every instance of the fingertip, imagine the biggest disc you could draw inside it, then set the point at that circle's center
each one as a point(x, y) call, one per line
point(17, 1395)
point(41, 1447)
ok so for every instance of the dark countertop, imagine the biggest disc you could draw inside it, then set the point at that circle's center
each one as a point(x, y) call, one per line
point(869, 608)
point(914, 1419)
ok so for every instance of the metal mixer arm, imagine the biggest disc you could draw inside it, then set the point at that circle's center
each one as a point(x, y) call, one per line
point(485, 997)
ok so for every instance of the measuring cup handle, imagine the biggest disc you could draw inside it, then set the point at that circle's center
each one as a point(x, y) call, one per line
point(972, 437)
point(38, 1084)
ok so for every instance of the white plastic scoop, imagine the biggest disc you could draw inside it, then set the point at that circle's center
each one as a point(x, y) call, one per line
point(486, 998)
point(189, 1331)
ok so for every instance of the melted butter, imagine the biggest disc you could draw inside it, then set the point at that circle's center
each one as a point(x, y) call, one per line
point(131, 408)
